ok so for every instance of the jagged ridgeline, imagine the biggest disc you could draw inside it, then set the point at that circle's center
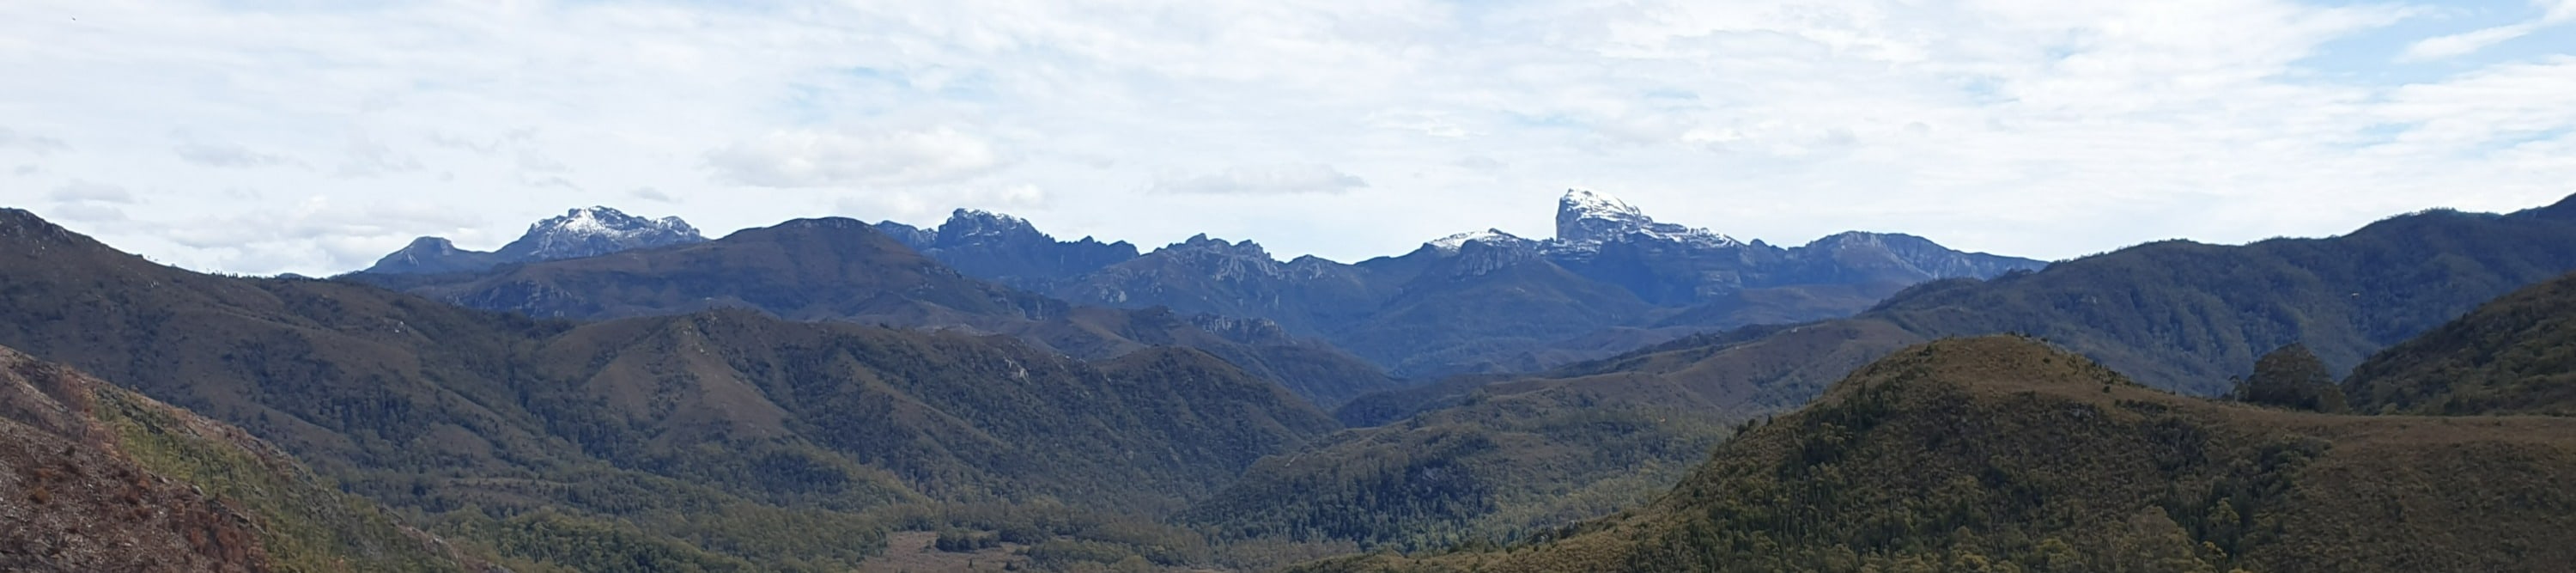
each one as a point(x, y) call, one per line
point(97, 478)
point(2002, 453)
point(722, 440)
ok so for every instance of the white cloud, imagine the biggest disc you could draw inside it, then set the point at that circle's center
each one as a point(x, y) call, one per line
point(1262, 180)
point(79, 191)
point(366, 157)
point(225, 155)
point(1480, 163)
point(88, 213)
point(2016, 126)
point(346, 235)
point(931, 205)
point(37, 144)
point(2555, 12)
point(811, 158)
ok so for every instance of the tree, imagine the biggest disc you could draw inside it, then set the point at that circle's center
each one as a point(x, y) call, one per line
point(2292, 377)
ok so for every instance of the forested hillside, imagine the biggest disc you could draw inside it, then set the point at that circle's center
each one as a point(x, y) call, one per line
point(98, 478)
point(2001, 453)
point(2516, 355)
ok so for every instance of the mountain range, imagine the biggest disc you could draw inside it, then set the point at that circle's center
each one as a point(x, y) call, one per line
point(1611, 279)
point(1476, 302)
point(782, 398)
point(842, 270)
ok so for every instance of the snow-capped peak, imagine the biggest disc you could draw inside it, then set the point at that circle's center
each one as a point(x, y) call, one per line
point(977, 225)
point(1451, 244)
point(1594, 204)
point(593, 231)
point(603, 221)
point(1587, 218)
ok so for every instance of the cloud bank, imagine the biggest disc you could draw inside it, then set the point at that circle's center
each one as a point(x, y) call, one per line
point(336, 132)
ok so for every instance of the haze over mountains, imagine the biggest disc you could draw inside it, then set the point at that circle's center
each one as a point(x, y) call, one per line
point(621, 394)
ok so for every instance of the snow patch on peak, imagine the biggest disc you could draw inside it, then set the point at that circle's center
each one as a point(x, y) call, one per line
point(611, 223)
point(1585, 219)
point(983, 215)
point(594, 231)
point(975, 226)
point(1451, 244)
point(1594, 204)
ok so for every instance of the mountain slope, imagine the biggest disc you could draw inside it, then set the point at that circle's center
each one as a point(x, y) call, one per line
point(2510, 356)
point(1489, 307)
point(956, 416)
point(1506, 459)
point(1968, 454)
point(2186, 316)
point(103, 479)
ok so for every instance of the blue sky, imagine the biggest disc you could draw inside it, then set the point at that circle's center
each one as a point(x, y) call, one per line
point(261, 137)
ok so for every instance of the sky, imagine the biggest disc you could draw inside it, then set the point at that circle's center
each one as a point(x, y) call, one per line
point(314, 136)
